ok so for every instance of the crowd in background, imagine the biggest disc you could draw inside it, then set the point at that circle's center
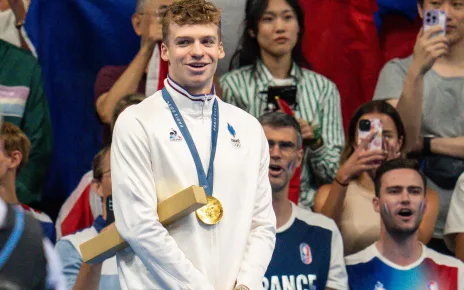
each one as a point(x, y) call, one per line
point(418, 96)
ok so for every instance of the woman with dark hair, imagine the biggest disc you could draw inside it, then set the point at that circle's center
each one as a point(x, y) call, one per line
point(270, 55)
point(348, 200)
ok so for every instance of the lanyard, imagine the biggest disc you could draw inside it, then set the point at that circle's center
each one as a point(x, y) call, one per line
point(13, 240)
point(206, 181)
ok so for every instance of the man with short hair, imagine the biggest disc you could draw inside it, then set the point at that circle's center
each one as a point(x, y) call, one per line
point(398, 260)
point(14, 155)
point(181, 136)
point(309, 247)
point(80, 275)
point(427, 90)
point(146, 73)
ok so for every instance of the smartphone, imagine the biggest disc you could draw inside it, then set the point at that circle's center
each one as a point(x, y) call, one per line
point(433, 18)
point(365, 127)
point(286, 93)
point(109, 210)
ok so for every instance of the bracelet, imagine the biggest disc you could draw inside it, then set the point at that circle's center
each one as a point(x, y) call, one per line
point(426, 149)
point(19, 24)
point(241, 287)
point(341, 184)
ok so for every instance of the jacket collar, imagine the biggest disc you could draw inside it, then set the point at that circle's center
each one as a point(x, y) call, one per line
point(197, 104)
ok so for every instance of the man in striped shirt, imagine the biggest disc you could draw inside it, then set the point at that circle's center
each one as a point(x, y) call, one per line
point(270, 55)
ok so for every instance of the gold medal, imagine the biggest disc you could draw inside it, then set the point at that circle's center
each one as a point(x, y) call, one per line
point(211, 213)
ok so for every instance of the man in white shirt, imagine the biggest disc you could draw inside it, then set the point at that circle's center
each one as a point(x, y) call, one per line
point(154, 156)
point(309, 248)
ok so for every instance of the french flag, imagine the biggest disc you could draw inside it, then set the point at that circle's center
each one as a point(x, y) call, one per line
point(80, 210)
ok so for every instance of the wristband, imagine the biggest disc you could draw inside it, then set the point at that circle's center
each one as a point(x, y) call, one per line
point(341, 184)
point(426, 149)
point(19, 24)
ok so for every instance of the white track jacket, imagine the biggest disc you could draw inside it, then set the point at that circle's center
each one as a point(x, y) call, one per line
point(150, 161)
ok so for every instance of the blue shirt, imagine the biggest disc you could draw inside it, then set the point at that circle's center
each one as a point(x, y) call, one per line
point(71, 259)
point(308, 254)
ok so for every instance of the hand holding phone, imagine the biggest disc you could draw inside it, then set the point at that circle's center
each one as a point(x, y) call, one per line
point(366, 126)
point(435, 18)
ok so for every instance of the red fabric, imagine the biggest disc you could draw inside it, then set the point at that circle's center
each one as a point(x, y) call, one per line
point(108, 75)
point(163, 73)
point(341, 37)
point(80, 216)
point(294, 188)
point(398, 36)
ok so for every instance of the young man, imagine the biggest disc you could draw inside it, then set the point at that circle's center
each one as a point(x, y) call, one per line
point(80, 275)
point(228, 243)
point(14, 155)
point(427, 90)
point(309, 248)
point(398, 260)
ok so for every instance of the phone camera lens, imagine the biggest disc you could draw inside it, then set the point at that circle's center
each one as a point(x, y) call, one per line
point(365, 125)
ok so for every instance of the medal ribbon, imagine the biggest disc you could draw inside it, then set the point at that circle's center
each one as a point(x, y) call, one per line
point(205, 181)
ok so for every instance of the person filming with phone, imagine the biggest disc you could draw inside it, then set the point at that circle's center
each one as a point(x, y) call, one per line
point(270, 64)
point(427, 90)
point(375, 134)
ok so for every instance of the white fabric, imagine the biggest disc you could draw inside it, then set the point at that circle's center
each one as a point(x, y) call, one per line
point(283, 82)
point(109, 266)
point(153, 72)
point(147, 166)
point(372, 252)
point(68, 205)
point(455, 219)
point(9, 32)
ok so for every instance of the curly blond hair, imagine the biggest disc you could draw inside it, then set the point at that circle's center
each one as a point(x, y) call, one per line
point(190, 12)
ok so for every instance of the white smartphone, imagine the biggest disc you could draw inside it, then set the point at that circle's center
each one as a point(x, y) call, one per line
point(433, 18)
point(365, 127)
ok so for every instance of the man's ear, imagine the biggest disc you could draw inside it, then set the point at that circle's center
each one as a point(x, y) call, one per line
point(96, 186)
point(15, 159)
point(376, 204)
point(221, 51)
point(420, 10)
point(137, 23)
point(164, 52)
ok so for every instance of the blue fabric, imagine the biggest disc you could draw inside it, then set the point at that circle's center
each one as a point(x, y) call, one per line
point(289, 263)
point(71, 262)
point(74, 39)
point(99, 223)
point(14, 237)
point(407, 8)
point(49, 231)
